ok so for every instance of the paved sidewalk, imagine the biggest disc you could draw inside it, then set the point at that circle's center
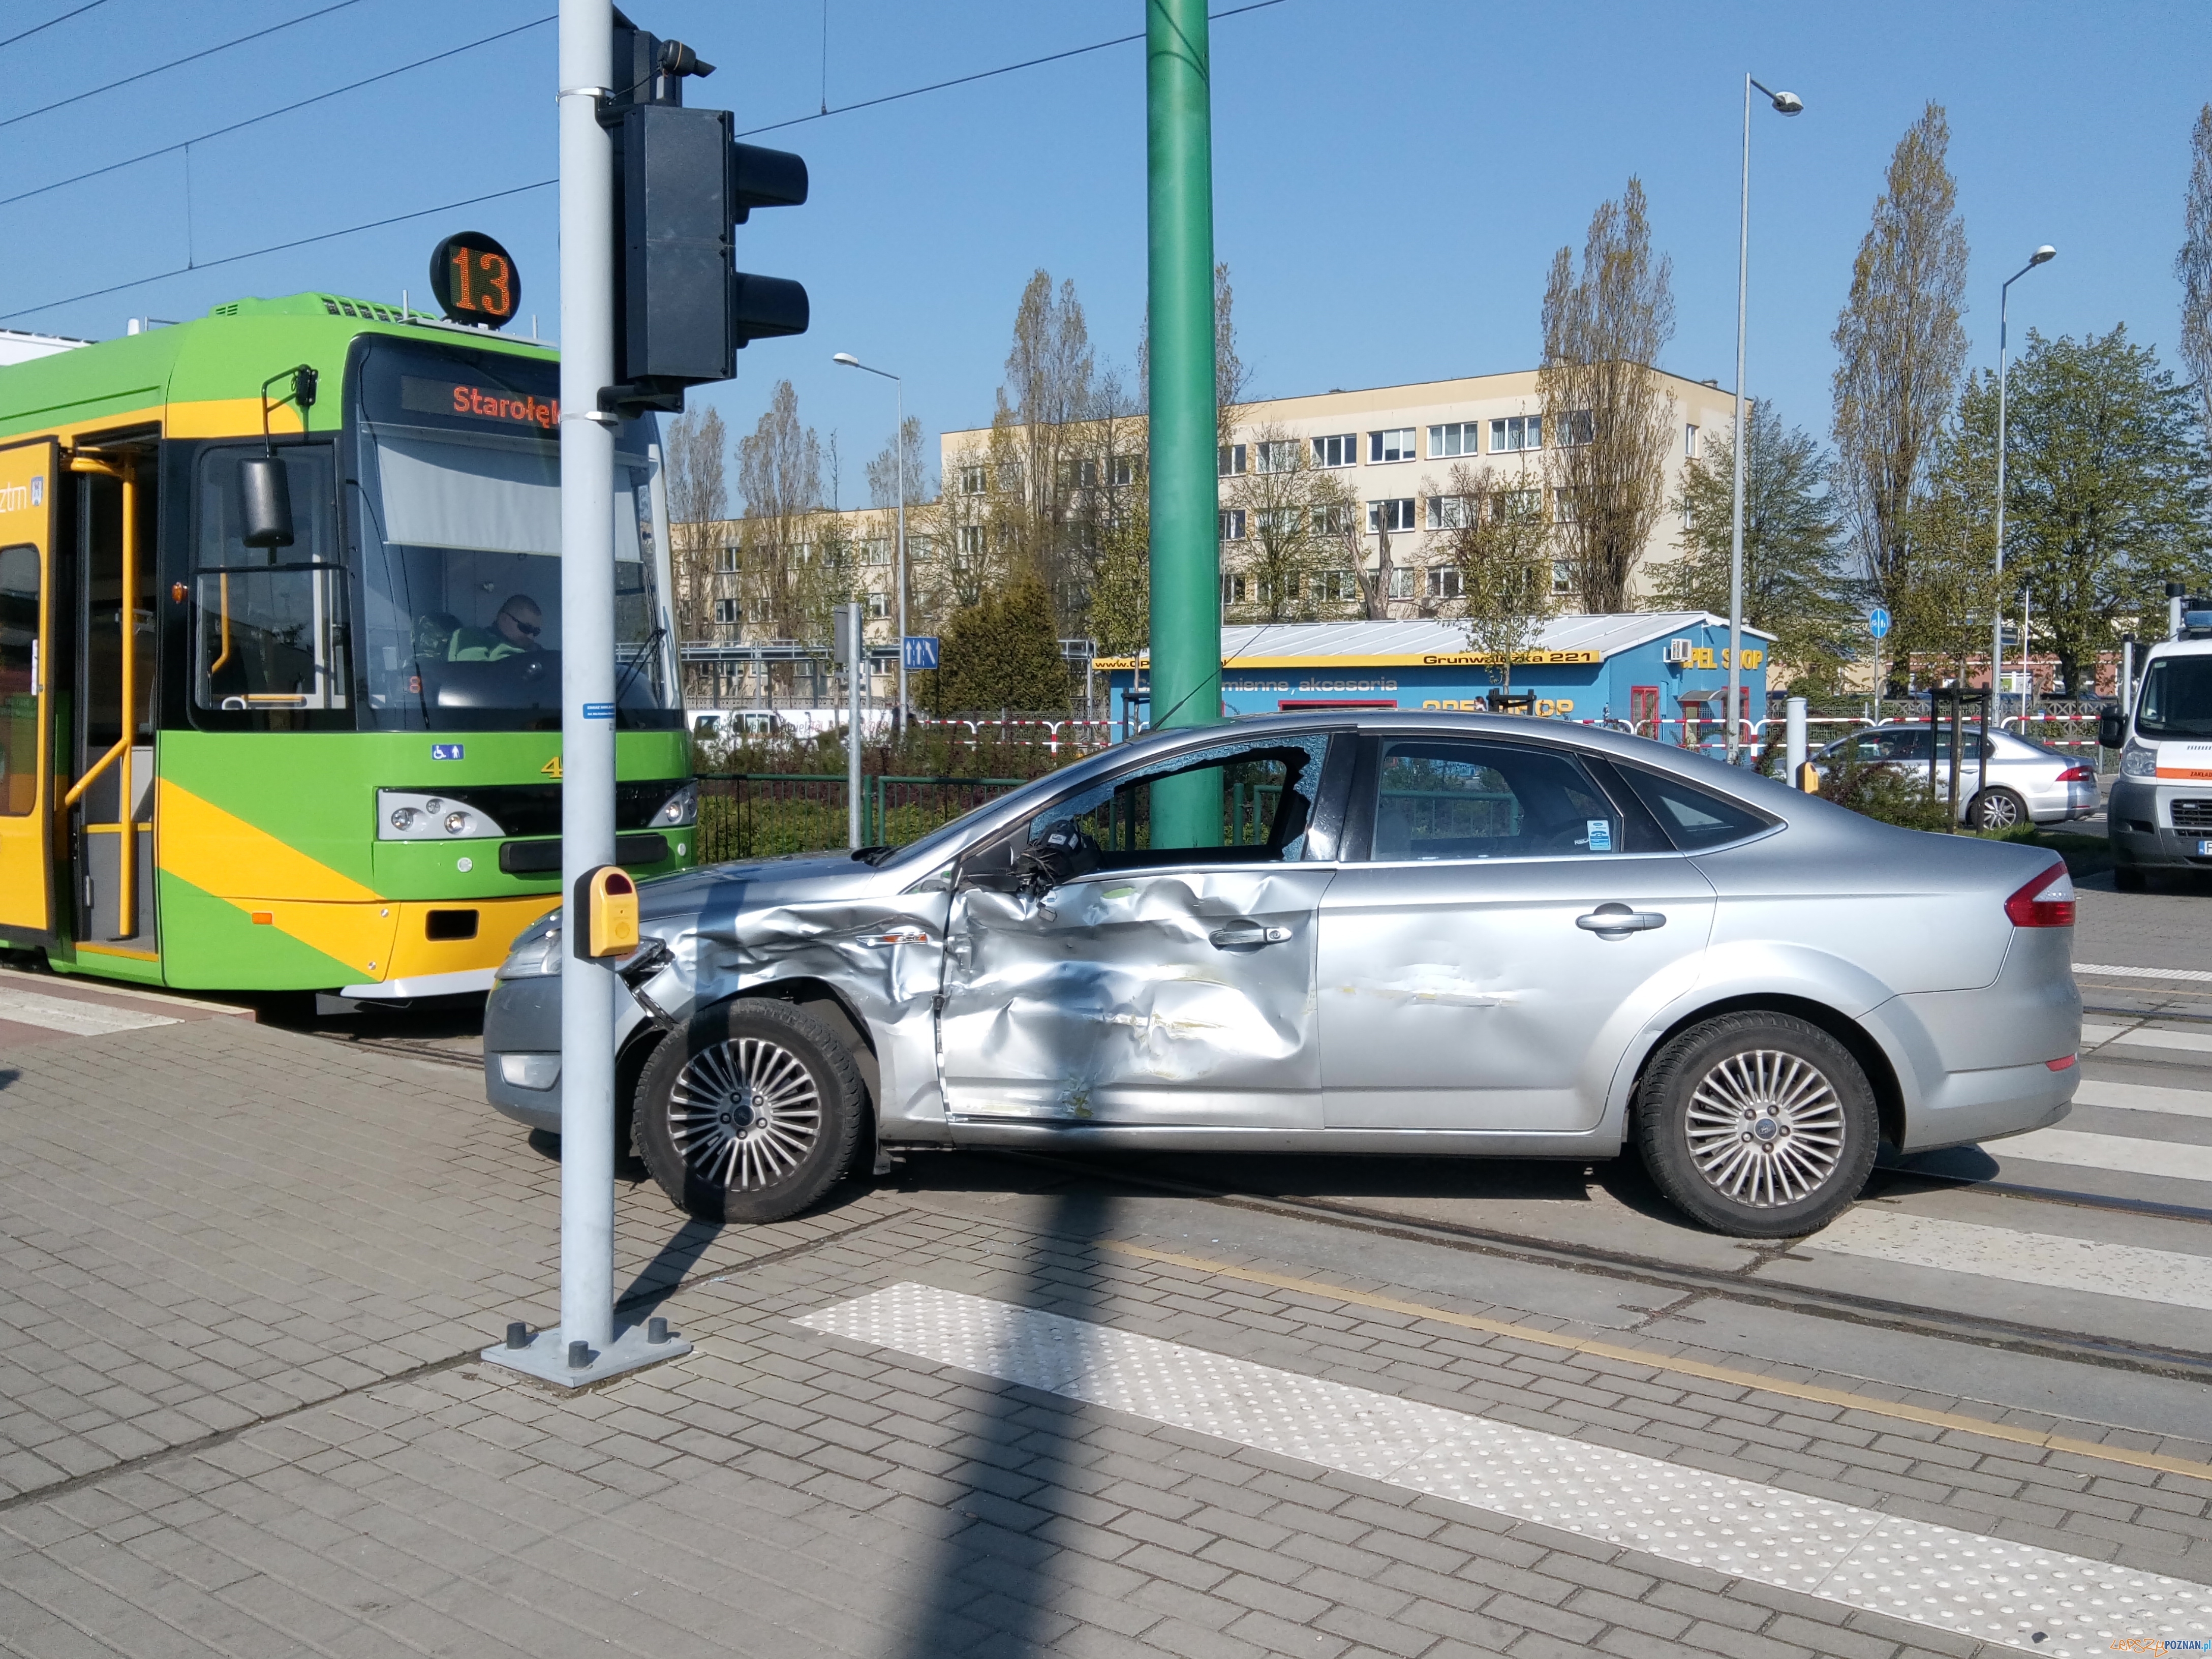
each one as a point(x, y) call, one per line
point(209, 1223)
point(782, 1492)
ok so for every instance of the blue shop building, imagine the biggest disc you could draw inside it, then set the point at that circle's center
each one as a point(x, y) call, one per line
point(1662, 673)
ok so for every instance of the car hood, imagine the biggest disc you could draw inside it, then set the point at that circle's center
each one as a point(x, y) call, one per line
point(691, 892)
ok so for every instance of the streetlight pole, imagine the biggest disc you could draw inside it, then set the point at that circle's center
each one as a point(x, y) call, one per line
point(1785, 103)
point(2041, 255)
point(898, 445)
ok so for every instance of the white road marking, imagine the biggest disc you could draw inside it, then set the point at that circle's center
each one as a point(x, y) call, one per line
point(1979, 1586)
point(2051, 1260)
point(2142, 972)
point(2142, 1097)
point(2147, 1037)
point(2118, 1152)
point(79, 1018)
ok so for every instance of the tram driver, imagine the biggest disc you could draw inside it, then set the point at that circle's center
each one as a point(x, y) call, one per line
point(514, 632)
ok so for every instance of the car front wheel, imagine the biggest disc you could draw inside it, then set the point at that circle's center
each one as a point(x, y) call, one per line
point(1758, 1125)
point(750, 1113)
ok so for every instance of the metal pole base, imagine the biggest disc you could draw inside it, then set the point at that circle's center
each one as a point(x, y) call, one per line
point(546, 1355)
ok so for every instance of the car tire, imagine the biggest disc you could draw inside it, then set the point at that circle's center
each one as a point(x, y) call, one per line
point(1758, 1125)
point(2129, 880)
point(1997, 809)
point(750, 1113)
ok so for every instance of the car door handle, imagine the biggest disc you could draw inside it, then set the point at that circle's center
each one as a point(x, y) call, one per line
point(1620, 919)
point(1246, 933)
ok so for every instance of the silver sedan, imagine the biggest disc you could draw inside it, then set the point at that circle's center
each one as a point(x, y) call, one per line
point(1438, 935)
point(2008, 780)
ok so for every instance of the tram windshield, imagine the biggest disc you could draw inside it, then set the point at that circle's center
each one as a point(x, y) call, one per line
point(456, 486)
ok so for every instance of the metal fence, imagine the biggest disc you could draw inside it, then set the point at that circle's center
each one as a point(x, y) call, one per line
point(745, 815)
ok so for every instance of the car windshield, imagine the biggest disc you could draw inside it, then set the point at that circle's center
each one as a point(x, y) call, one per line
point(457, 481)
point(2176, 700)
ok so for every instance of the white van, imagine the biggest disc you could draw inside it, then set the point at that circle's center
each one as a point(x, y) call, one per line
point(2159, 812)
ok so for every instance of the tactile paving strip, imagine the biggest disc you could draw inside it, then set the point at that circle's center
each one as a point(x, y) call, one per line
point(2036, 1600)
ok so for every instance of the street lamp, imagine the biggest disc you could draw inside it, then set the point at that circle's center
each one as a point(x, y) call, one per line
point(898, 445)
point(2041, 255)
point(1785, 103)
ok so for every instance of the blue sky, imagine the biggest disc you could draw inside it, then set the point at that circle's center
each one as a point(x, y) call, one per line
point(1390, 179)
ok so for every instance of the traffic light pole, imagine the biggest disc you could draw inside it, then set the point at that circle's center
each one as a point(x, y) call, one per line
point(1186, 552)
point(585, 1348)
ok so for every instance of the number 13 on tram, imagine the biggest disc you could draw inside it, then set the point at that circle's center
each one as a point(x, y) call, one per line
point(280, 653)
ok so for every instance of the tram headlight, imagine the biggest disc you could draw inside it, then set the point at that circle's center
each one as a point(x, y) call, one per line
point(404, 819)
point(416, 815)
point(679, 808)
point(457, 824)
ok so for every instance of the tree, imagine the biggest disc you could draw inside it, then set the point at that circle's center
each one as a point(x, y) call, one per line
point(1288, 505)
point(2105, 492)
point(2194, 264)
point(1492, 528)
point(779, 476)
point(1900, 346)
point(1002, 653)
point(1792, 588)
point(1612, 421)
point(696, 446)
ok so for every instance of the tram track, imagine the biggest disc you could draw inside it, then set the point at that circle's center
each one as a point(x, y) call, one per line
point(1693, 1283)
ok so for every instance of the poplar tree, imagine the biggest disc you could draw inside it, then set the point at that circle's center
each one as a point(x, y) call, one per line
point(1609, 420)
point(696, 447)
point(1900, 346)
point(2193, 264)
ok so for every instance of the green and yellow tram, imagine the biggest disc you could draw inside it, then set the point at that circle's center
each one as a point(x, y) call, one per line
point(280, 653)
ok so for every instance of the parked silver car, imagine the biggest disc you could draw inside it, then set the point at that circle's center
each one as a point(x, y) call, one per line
point(2008, 780)
point(1442, 935)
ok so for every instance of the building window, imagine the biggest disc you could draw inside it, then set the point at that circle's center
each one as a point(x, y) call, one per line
point(1232, 459)
point(1447, 513)
point(879, 607)
point(1279, 456)
point(1278, 521)
point(1402, 578)
point(1395, 444)
point(921, 550)
point(726, 560)
point(1689, 443)
point(727, 613)
point(971, 541)
point(1335, 520)
point(1567, 505)
point(1232, 525)
point(1458, 439)
point(1342, 449)
point(1079, 474)
point(973, 480)
point(1516, 504)
point(1232, 589)
point(1124, 470)
point(1290, 589)
point(1392, 515)
point(1563, 577)
point(1336, 587)
point(875, 550)
point(1578, 426)
point(1443, 581)
point(1516, 432)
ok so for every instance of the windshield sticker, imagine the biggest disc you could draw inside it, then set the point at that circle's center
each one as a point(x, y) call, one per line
point(1600, 835)
point(428, 397)
point(444, 751)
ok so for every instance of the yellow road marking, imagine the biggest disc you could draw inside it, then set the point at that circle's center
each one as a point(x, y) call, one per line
point(1662, 1362)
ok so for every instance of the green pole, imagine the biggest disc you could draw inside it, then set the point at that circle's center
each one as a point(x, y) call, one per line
point(1186, 548)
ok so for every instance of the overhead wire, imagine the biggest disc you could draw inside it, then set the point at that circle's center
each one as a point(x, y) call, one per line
point(270, 115)
point(175, 63)
point(41, 28)
point(542, 183)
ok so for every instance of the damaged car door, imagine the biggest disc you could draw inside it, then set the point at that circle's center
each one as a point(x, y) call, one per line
point(1140, 956)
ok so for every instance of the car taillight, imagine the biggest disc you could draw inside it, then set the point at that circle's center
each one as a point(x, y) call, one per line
point(2077, 774)
point(2045, 902)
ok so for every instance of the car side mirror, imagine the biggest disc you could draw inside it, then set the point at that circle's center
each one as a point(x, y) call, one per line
point(2112, 728)
point(264, 503)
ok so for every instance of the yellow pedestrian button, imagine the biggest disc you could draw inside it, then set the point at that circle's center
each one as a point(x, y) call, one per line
point(607, 901)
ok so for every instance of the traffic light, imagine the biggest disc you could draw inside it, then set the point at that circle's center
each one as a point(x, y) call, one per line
point(683, 185)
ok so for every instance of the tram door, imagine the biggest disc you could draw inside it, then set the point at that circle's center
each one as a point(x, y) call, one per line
point(113, 794)
point(27, 496)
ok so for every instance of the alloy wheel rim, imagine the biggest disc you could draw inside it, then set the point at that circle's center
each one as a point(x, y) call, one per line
point(744, 1114)
point(1998, 813)
point(1765, 1128)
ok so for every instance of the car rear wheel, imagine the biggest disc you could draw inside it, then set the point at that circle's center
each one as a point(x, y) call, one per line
point(1997, 809)
point(750, 1113)
point(1759, 1124)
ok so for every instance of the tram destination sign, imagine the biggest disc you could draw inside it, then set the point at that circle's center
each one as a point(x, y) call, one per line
point(475, 280)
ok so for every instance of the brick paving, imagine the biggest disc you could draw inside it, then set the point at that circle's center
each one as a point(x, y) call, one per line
point(781, 1492)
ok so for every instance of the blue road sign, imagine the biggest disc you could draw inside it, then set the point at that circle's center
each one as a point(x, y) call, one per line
point(1878, 622)
point(921, 651)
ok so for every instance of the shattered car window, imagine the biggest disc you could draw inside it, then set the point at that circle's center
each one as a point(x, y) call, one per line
point(1266, 792)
